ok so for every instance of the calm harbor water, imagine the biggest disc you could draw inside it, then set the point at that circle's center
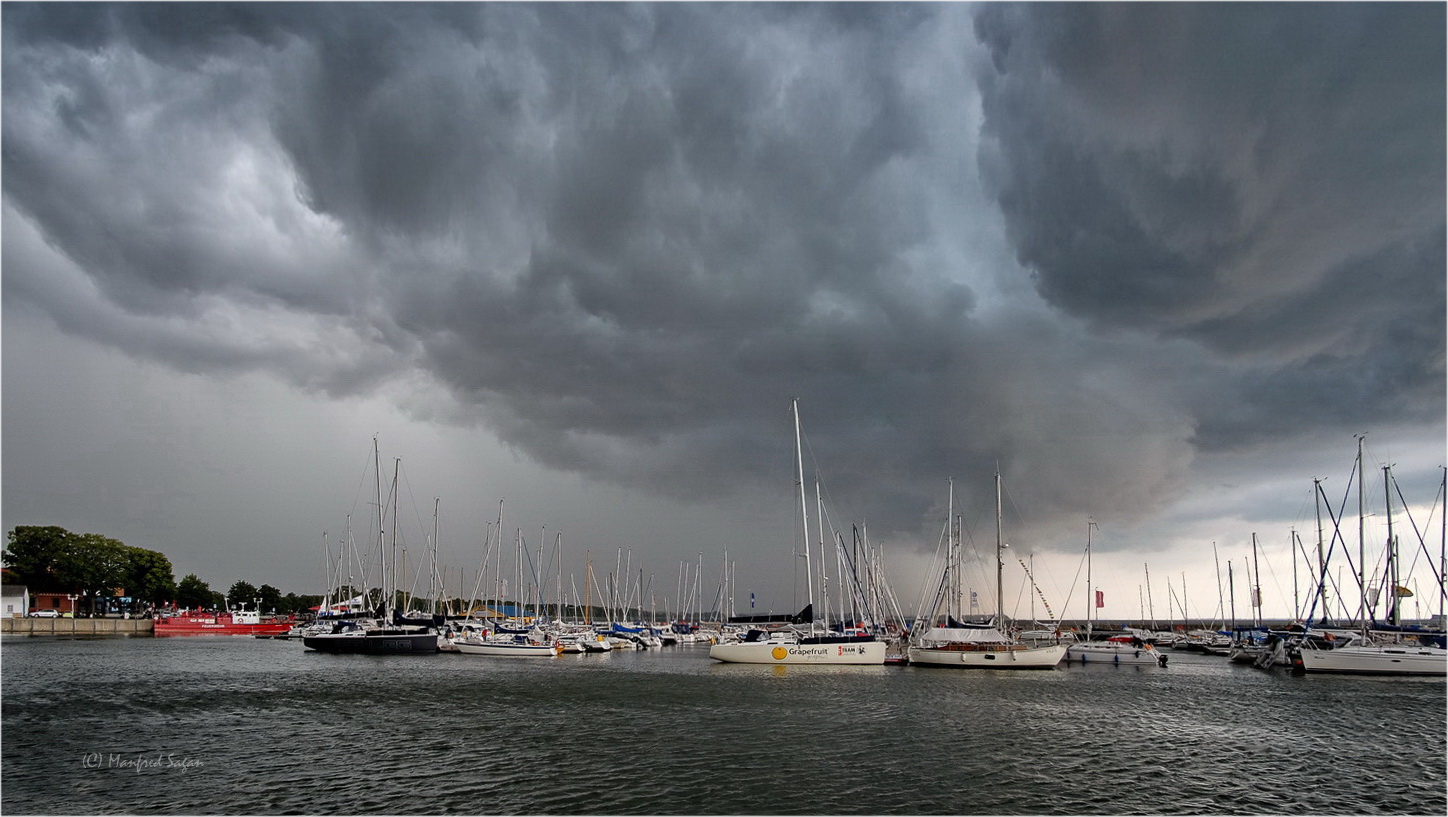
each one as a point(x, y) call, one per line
point(220, 725)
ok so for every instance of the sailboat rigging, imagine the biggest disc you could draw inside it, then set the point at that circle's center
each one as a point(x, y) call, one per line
point(942, 640)
point(1118, 649)
point(387, 633)
point(799, 639)
point(1382, 650)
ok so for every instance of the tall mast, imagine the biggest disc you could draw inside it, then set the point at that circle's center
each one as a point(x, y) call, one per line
point(432, 593)
point(1150, 608)
point(1000, 570)
point(1032, 571)
point(1392, 551)
point(381, 523)
point(803, 506)
point(1296, 547)
point(350, 550)
point(327, 574)
point(679, 594)
point(952, 559)
point(824, 562)
point(498, 567)
point(613, 589)
point(1090, 595)
point(396, 472)
point(1232, 597)
point(1362, 544)
point(1256, 585)
point(1321, 556)
point(1218, 564)
point(1170, 597)
point(1186, 623)
point(538, 575)
point(1090, 599)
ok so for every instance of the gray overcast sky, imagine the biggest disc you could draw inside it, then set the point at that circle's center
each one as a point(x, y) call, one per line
point(1158, 263)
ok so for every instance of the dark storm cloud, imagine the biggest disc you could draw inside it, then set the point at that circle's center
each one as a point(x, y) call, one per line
point(623, 236)
point(1264, 179)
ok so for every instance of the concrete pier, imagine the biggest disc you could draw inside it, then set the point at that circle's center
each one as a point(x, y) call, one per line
point(75, 626)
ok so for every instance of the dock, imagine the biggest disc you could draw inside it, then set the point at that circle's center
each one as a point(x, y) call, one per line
point(76, 626)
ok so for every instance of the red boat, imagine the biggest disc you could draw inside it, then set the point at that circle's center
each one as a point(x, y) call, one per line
point(241, 622)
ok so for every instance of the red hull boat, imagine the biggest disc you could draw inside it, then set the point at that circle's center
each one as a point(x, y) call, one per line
point(246, 622)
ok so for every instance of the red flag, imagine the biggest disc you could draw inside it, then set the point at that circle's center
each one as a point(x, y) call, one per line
point(1100, 599)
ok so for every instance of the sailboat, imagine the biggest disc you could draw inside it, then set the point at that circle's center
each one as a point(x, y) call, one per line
point(1360, 653)
point(949, 642)
point(510, 645)
point(1122, 648)
point(1360, 656)
point(387, 633)
point(799, 639)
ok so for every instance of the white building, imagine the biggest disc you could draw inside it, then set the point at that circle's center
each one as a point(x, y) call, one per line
point(14, 600)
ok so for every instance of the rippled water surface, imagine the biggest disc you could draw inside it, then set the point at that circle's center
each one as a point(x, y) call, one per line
point(237, 725)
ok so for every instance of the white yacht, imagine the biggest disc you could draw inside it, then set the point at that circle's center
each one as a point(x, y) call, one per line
point(953, 643)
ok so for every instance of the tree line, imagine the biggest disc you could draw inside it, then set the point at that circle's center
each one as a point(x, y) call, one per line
point(50, 559)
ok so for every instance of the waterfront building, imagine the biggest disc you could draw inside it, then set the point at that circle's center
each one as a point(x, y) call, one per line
point(62, 603)
point(14, 600)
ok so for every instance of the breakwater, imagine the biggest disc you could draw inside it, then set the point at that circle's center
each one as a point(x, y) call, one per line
point(75, 626)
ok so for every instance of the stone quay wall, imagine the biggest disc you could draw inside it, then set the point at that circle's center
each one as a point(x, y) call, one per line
point(76, 626)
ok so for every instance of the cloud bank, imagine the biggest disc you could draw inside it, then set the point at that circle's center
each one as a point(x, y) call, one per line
point(1083, 243)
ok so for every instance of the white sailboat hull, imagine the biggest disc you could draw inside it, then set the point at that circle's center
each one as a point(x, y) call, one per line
point(1371, 660)
point(774, 652)
point(505, 649)
point(987, 658)
point(1118, 654)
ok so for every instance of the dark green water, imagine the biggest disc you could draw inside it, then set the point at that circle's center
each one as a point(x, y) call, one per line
point(244, 726)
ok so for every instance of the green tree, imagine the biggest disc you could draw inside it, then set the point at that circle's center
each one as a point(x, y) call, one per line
point(192, 592)
point(298, 605)
point(271, 598)
point(241, 593)
point(34, 554)
point(151, 579)
point(93, 564)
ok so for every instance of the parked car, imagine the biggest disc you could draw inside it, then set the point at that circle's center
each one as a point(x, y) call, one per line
point(45, 614)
